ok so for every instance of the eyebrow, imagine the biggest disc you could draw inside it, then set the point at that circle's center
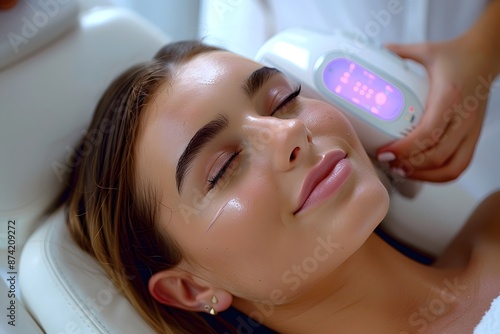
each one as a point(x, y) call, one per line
point(200, 139)
point(257, 79)
point(209, 131)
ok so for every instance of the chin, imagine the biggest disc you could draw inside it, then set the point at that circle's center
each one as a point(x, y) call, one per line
point(375, 203)
point(365, 207)
point(356, 212)
point(371, 193)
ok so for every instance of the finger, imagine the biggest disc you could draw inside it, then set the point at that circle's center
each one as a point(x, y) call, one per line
point(436, 156)
point(437, 116)
point(420, 52)
point(457, 163)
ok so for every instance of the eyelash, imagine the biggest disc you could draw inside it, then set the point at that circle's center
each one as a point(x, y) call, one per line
point(212, 182)
point(287, 100)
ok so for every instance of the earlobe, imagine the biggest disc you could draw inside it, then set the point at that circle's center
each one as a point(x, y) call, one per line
point(178, 288)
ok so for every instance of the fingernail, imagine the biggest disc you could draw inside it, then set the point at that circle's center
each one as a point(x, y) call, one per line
point(399, 171)
point(386, 156)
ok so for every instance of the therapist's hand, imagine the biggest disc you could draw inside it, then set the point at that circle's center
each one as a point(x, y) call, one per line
point(461, 72)
point(442, 145)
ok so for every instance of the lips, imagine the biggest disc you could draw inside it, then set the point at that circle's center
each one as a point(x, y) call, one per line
point(324, 179)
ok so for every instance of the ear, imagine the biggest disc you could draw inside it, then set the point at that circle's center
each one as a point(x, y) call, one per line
point(178, 288)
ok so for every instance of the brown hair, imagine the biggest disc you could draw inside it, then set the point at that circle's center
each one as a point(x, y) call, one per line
point(110, 215)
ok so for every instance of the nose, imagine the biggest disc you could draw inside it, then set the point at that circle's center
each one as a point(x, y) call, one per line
point(288, 141)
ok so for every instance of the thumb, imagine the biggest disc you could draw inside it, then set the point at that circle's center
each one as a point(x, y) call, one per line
point(434, 121)
point(418, 52)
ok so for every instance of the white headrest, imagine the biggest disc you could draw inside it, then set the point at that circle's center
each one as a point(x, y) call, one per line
point(48, 100)
point(67, 291)
point(32, 24)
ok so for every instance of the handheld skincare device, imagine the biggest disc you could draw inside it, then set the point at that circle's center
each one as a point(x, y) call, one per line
point(379, 92)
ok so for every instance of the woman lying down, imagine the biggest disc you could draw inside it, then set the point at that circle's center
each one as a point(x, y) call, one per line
point(216, 185)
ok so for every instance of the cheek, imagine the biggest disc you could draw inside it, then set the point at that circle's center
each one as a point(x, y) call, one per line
point(249, 221)
point(235, 250)
point(324, 119)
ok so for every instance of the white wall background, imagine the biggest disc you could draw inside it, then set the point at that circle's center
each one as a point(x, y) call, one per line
point(182, 25)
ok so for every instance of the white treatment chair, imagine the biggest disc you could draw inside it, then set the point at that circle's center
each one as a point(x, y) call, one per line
point(54, 66)
point(48, 91)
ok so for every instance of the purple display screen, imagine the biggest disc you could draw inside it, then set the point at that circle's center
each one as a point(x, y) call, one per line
point(355, 84)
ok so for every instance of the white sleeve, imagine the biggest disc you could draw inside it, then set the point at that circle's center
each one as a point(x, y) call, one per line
point(243, 26)
point(490, 323)
point(236, 25)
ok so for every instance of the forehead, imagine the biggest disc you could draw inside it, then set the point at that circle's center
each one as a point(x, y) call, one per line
point(214, 68)
point(196, 88)
point(208, 84)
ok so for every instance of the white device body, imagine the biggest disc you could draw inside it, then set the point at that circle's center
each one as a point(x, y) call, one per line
point(306, 56)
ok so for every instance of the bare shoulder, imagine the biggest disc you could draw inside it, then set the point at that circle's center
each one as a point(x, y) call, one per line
point(476, 250)
point(481, 230)
point(487, 218)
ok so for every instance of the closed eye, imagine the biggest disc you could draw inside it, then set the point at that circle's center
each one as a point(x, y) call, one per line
point(287, 100)
point(228, 164)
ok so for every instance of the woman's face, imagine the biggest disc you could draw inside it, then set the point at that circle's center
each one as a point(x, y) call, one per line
point(266, 191)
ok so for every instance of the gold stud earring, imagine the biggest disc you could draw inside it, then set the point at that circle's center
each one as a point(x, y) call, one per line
point(210, 309)
point(214, 300)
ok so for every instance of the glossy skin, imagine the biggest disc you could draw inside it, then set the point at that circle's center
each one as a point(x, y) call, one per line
point(260, 191)
point(311, 271)
point(461, 72)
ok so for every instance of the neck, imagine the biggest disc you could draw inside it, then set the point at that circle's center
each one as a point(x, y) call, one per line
point(389, 291)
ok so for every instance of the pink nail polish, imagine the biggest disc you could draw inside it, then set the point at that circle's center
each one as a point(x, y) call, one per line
point(386, 157)
point(399, 171)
